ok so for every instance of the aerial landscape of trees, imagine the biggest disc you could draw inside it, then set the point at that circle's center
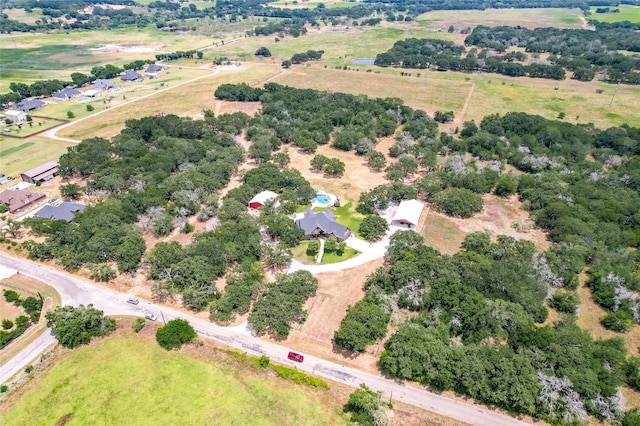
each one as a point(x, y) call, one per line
point(496, 318)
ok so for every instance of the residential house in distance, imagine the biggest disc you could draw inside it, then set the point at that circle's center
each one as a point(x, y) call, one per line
point(408, 213)
point(260, 199)
point(29, 105)
point(41, 173)
point(322, 224)
point(65, 211)
point(17, 199)
point(102, 84)
point(154, 68)
point(66, 94)
point(130, 75)
point(15, 115)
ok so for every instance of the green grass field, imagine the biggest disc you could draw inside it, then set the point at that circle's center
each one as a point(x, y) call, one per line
point(18, 155)
point(627, 13)
point(530, 18)
point(131, 380)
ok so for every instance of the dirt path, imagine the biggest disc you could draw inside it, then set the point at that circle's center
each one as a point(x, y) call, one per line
point(467, 101)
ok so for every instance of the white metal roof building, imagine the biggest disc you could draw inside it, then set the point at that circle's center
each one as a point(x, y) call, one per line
point(260, 199)
point(408, 213)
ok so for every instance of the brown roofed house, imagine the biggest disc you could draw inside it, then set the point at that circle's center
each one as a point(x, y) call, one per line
point(16, 199)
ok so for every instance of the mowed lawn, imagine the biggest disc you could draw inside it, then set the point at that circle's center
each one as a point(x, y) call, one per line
point(18, 155)
point(130, 380)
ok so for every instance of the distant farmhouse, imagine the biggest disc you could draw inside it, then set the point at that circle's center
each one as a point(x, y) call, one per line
point(66, 94)
point(15, 115)
point(65, 211)
point(102, 84)
point(41, 173)
point(262, 198)
point(154, 68)
point(17, 199)
point(130, 75)
point(322, 224)
point(29, 105)
point(408, 213)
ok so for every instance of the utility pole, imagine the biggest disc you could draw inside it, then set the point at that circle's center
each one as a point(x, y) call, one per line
point(614, 93)
point(163, 320)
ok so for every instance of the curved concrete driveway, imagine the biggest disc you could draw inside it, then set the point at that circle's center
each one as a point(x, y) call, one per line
point(75, 291)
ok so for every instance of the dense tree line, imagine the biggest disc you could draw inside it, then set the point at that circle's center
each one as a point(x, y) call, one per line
point(582, 51)
point(309, 117)
point(444, 55)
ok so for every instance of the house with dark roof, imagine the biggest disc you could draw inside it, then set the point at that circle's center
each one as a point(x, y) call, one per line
point(65, 211)
point(102, 84)
point(41, 173)
point(322, 224)
point(154, 68)
point(17, 199)
point(29, 105)
point(130, 75)
point(66, 94)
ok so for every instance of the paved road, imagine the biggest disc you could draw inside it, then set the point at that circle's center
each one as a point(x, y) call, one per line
point(75, 291)
point(26, 356)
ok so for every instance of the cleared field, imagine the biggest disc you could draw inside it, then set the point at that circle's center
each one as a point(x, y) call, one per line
point(341, 45)
point(62, 51)
point(187, 99)
point(18, 155)
point(530, 18)
point(331, 4)
point(578, 100)
point(627, 13)
point(429, 94)
point(131, 380)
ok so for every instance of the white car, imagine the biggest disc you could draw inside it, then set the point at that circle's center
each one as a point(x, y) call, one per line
point(151, 317)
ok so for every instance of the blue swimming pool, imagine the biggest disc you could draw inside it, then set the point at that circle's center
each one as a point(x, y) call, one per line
point(322, 199)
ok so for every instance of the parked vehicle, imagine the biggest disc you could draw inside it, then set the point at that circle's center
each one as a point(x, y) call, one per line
point(295, 357)
point(151, 317)
point(133, 301)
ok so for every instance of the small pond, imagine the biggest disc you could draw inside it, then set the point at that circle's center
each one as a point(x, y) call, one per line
point(364, 61)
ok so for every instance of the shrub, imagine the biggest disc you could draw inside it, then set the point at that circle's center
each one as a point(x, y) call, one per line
point(7, 324)
point(4, 388)
point(313, 248)
point(564, 302)
point(619, 321)
point(176, 333)
point(11, 296)
point(29, 369)
point(264, 361)
point(138, 324)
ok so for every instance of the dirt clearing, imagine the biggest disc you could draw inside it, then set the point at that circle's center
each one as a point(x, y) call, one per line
point(500, 216)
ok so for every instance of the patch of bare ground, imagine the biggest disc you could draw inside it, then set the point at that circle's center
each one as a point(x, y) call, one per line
point(358, 177)
point(499, 216)
point(588, 318)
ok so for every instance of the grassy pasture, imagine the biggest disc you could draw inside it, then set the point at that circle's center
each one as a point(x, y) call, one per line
point(339, 47)
point(430, 94)
point(300, 254)
point(18, 155)
point(21, 16)
point(130, 380)
point(69, 51)
point(627, 13)
point(185, 100)
point(530, 18)
point(331, 4)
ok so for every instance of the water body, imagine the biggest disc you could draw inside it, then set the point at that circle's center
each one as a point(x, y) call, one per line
point(364, 61)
